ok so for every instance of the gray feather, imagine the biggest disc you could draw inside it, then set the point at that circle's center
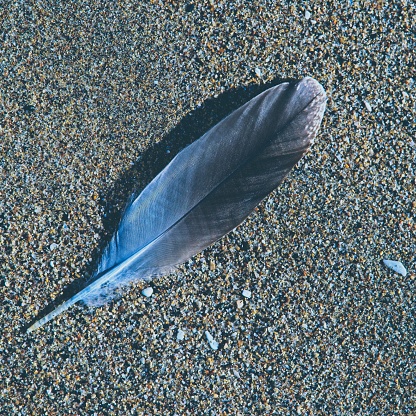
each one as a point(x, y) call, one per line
point(209, 188)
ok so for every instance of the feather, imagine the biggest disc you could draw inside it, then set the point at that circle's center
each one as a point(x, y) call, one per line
point(208, 189)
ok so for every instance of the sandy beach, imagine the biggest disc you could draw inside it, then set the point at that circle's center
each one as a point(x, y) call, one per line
point(96, 98)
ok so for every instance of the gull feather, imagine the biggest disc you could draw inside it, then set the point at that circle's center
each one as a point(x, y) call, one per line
point(208, 189)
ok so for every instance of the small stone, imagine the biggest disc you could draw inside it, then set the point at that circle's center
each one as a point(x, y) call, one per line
point(147, 292)
point(258, 72)
point(368, 106)
point(396, 266)
point(53, 246)
point(180, 335)
point(307, 14)
point(212, 343)
point(246, 293)
point(240, 304)
point(211, 265)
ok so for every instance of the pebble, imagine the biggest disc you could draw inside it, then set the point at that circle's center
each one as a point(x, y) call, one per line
point(396, 266)
point(180, 335)
point(53, 246)
point(147, 292)
point(368, 106)
point(246, 293)
point(211, 341)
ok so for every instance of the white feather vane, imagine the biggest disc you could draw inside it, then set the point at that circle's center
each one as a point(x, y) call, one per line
point(208, 189)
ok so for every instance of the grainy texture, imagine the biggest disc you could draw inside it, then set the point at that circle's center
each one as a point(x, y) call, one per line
point(96, 97)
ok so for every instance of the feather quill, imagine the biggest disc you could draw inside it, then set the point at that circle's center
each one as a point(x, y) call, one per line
point(208, 189)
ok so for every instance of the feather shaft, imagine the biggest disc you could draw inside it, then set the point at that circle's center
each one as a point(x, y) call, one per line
point(95, 285)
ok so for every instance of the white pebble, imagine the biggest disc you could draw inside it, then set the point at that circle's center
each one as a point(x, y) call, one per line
point(397, 266)
point(212, 343)
point(240, 304)
point(53, 246)
point(307, 14)
point(247, 293)
point(368, 106)
point(180, 335)
point(258, 72)
point(147, 292)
